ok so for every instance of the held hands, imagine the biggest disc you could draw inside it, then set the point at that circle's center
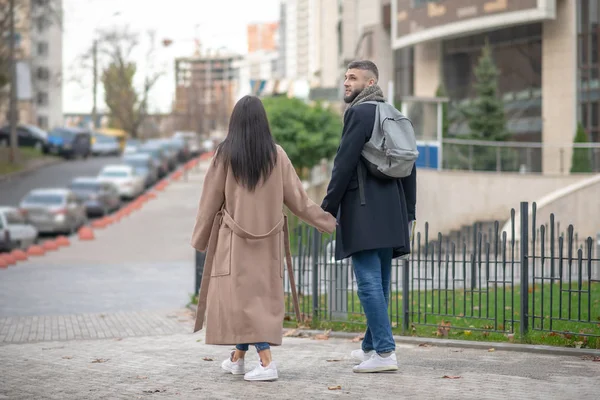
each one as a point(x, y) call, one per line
point(331, 223)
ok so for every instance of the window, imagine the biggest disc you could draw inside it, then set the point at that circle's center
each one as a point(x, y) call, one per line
point(42, 98)
point(42, 121)
point(42, 24)
point(42, 49)
point(43, 74)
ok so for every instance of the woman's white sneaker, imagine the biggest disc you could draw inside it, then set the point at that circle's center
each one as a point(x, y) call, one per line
point(236, 368)
point(378, 364)
point(360, 355)
point(260, 373)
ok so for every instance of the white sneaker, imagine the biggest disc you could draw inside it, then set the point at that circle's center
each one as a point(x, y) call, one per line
point(236, 368)
point(360, 355)
point(378, 364)
point(261, 373)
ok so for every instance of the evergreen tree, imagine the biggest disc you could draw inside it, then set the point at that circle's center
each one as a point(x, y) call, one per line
point(581, 157)
point(487, 120)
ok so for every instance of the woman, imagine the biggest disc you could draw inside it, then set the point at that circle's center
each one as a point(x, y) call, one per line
point(241, 222)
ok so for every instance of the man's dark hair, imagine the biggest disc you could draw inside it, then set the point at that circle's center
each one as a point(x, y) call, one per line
point(365, 65)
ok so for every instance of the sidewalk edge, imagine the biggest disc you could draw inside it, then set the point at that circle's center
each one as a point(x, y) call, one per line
point(465, 344)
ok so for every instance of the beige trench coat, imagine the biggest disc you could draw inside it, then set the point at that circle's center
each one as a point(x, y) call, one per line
point(245, 301)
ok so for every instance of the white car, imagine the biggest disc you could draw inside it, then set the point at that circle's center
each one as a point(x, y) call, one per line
point(124, 177)
point(22, 234)
point(105, 145)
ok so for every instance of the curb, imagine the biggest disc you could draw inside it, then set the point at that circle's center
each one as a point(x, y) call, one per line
point(464, 344)
point(25, 171)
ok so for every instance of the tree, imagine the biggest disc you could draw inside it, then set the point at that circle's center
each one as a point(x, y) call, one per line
point(128, 105)
point(487, 119)
point(581, 157)
point(307, 133)
point(441, 92)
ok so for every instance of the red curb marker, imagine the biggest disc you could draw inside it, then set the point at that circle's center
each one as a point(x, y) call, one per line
point(63, 241)
point(19, 255)
point(50, 245)
point(36, 250)
point(86, 233)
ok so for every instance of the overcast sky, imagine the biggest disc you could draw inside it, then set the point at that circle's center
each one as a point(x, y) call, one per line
point(216, 22)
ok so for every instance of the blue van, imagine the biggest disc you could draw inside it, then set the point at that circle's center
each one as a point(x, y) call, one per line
point(69, 142)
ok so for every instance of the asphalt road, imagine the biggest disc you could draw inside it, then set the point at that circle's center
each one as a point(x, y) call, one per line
point(54, 176)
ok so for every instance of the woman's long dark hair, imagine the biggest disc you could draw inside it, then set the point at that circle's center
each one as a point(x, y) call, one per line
point(249, 148)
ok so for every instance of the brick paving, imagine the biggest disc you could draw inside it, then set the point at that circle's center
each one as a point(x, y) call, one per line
point(174, 367)
point(21, 329)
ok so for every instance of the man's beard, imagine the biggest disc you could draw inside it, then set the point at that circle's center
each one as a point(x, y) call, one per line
point(350, 98)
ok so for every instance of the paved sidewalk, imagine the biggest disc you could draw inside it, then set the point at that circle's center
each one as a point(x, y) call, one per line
point(174, 366)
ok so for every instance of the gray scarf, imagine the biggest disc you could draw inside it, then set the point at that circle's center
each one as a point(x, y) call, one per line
point(370, 93)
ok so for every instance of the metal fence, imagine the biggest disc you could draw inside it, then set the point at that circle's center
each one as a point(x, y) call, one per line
point(486, 281)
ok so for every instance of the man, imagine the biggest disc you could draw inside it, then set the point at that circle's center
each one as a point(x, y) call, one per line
point(373, 231)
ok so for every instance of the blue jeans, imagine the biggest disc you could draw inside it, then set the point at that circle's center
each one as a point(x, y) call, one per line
point(259, 346)
point(373, 271)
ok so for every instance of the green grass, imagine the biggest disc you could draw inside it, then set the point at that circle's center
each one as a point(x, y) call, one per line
point(26, 156)
point(473, 318)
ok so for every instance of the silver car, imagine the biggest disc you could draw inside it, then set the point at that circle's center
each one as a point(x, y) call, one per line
point(53, 210)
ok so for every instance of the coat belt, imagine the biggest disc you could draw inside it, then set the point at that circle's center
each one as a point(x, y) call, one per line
point(223, 217)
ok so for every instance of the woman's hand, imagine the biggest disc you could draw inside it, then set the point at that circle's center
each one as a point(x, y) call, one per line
point(331, 223)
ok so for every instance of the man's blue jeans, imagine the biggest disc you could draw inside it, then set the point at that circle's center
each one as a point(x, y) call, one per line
point(259, 347)
point(373, 271)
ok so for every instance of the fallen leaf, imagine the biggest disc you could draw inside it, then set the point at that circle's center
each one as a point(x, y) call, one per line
point(457, 351)
point(118, 339)
point(443, 329)
point(67, 357)
point(155, 391)
point(333, 360)
point(99, 360)
point(468, 333)
point(338, 387)
point(424, 345)
point(141, 377)
point(394, 324)
point(358, 338)
point(290, 333)
point(491, 350)
point(596, 359)
point(287, 318)
point(208, 359)
point(451, 377)
point(199, 340)
point(322, 337)
point(511, 337)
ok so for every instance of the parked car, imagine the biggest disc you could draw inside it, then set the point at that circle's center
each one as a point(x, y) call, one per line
point(69, 142)
point(5, 242)
point(27, 136)
point(22, 234)
point(99, 198)
point(191, 138)
point(159, 156)
point(53, 210)
point(132, 146)
point(183, 149)
point(144, 166)
point(103, 145)
point(128, 182)
point(169, 150)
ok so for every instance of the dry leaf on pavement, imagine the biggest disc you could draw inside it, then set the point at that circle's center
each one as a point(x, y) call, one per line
point(290, 333)
point(208, 359)
point(424, 345)
point(100, 360)
point(338, 387)
point(67, 357)
point(491, 350)
point(323, 336)
point(451, 377)
point(358, 338)
point(333, 360)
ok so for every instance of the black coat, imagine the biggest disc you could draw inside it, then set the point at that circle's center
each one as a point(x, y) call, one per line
point(390, 204)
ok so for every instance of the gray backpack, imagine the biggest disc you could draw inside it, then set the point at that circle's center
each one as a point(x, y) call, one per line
point(392, 151)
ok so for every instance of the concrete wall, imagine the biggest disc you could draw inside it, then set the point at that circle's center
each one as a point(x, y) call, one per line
point(577, 204)
point(559, 86)
point(451, 199)
point(427, 69)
